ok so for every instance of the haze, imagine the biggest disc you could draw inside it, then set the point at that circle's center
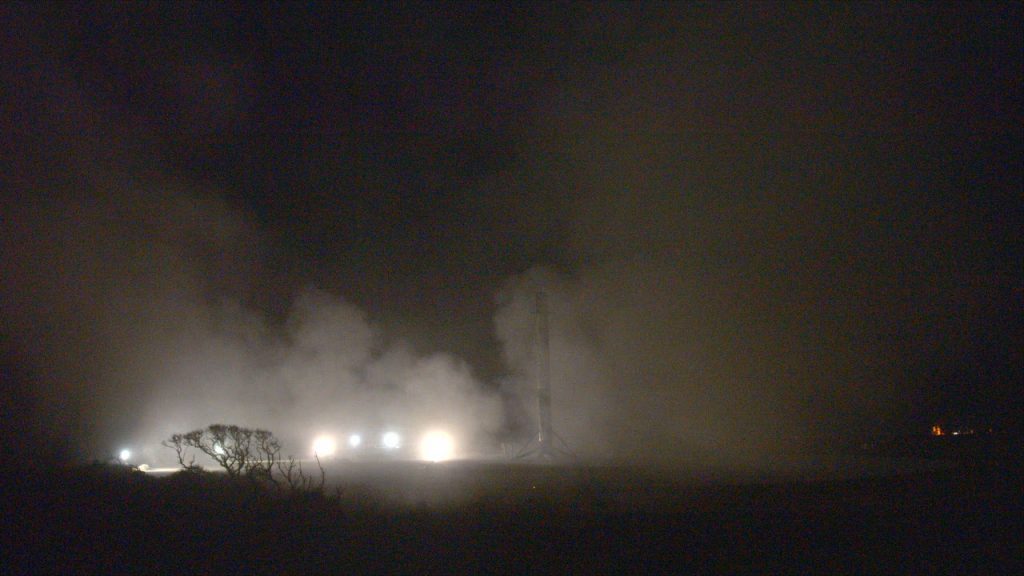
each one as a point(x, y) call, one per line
point(761, 228)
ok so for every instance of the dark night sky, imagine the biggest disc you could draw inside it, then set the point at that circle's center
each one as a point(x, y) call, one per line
point(804, 212)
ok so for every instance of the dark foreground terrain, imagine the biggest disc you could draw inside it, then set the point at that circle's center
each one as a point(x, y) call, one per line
point(962, 518)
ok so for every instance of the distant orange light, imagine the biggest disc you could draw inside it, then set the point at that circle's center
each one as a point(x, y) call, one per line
point(937, 430)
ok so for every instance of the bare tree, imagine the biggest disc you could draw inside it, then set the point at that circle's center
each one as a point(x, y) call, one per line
point(266, 455)
point(240, 451)
point(244, 452)
point(178, 443)
point(296, 479)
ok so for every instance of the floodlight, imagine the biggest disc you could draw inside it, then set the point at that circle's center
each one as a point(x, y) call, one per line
point(436, 446)
point(324, 446)
point(355, 440)
point(124, 455)
point(391, 440)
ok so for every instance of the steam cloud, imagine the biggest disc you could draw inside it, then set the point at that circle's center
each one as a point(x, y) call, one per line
point(633, 379)
point(129, 301)
point(737, 261)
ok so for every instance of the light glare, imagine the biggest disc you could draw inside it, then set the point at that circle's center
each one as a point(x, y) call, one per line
point(391, 440)
point(324, 446)
point(355, 440)
point(437, 446)
point(125, 455)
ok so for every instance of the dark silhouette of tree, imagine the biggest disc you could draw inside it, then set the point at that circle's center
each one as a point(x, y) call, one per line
point(245, 452)
point(180, 445)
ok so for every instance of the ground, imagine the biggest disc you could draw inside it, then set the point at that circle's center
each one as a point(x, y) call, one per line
point(496, 517)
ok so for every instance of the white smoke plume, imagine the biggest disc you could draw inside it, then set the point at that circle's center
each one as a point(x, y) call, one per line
point(133, 303)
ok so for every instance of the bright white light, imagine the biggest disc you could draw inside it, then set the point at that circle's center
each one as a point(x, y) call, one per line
point(218, 449)
point(125, 455)
point(391, 440)
point(437, 446)
point(355, 440)
point(324, 446)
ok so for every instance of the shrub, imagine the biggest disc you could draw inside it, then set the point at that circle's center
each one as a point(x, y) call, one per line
point(245, 452)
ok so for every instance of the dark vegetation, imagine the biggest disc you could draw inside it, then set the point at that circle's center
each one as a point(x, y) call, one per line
point(253, 454)
point(108, 518)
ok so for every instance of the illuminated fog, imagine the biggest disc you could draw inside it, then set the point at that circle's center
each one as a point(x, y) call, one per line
point(760, 230)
